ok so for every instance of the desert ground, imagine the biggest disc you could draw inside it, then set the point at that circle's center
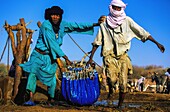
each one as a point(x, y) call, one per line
point(134, 102)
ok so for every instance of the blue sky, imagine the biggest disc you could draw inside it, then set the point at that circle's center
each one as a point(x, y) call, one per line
point(152, 15)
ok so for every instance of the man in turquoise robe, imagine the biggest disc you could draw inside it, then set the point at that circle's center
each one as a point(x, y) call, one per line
point(42, 64)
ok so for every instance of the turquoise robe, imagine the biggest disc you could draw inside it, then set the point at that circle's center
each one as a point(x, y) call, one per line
point(44, 66)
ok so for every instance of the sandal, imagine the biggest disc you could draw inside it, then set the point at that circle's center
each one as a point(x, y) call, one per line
point(29, 103)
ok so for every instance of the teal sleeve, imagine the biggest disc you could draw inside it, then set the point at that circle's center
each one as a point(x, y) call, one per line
point(51, 43)
point(83, 28)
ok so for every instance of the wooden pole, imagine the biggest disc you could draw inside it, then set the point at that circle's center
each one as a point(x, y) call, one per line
point(19, 47)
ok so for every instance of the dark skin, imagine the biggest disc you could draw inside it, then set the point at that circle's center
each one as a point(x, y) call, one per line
point(102, 18)
point(116, 8)
point(161, 47)
point(55, 20)
point(90, 61)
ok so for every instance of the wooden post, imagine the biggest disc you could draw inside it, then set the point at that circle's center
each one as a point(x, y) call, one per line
point(20, 47)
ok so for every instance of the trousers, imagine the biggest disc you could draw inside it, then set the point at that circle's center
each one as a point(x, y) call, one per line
point(117, 70)
point(31, 85)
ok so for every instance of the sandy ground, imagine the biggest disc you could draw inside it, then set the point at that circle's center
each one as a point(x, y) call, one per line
point(134, 102)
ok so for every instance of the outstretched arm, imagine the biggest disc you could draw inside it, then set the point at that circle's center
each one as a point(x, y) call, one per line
point(100, 20)
point(92, 54)
point(84, 28)
point(161, 47)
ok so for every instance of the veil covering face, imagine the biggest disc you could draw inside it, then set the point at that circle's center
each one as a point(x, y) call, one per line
point(116, 18)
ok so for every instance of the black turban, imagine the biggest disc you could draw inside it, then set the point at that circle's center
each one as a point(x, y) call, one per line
point(46, 15)
point(54, 10)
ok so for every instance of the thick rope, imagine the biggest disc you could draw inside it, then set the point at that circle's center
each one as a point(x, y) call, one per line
point(4, 49)
point(82, 49)
point(8, 55)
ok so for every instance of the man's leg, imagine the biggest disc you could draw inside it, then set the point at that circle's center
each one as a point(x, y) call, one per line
point(121, 98)
point(110, 89)
point(123, 65)
point(31, 84)
point(111, 70)
point(51, 91)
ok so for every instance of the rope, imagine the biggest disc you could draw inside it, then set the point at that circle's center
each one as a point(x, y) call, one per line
point(8, 55)
point(4, 49)
point(82, 49)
